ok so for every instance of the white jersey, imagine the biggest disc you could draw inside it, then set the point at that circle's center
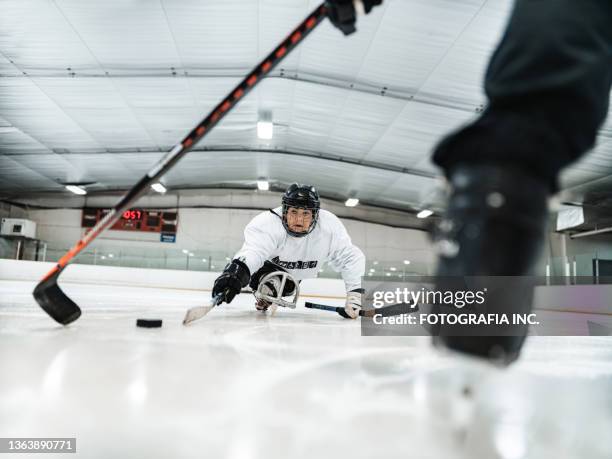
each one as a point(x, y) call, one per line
point(265, 238)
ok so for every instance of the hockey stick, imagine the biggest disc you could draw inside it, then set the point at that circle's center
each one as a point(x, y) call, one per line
point(339, 309)
point(47, 293)
point(387, 311)
point(198, 312)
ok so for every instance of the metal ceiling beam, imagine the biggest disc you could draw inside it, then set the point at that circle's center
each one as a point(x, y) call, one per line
point(301, 77)
point(396, 217)
point(305, 154)
point(591, 233)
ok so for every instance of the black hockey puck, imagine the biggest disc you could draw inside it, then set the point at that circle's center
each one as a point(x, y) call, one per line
point(149, 323)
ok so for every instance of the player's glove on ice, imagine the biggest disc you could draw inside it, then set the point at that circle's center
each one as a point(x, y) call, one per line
point(353, 303)
point(343, 13)
point(235, 276)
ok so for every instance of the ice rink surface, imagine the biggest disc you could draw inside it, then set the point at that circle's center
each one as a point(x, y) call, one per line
point(302, 384)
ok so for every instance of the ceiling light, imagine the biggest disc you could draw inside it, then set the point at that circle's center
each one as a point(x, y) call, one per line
point(424, 213)
point(372, 270)
point(375, 263)
point(263, 185)
point(190, 254)
point(110, 255)
point(159, 187)
point(76, 189)
point(393, 268)
point(185, 251)
point(351, 202)
point(265, 130)
point(406, 262)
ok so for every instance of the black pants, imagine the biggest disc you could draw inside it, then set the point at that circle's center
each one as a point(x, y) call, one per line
point(548, 85)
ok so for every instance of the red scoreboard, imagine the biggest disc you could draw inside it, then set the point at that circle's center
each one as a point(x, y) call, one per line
point(150, 221)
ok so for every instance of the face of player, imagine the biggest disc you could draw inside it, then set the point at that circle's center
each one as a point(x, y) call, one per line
point(299, 220)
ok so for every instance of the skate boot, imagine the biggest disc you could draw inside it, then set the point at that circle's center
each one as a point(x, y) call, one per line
point(495, 225)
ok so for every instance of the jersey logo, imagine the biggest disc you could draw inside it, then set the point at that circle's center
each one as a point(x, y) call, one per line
point(295, 264)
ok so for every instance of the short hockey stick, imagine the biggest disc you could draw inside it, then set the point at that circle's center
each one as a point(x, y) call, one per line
point(47, 293)
point(198, 312)
point(339, 309)
point(387, 311)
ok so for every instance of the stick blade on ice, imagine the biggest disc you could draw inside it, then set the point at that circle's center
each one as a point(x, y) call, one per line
point(196, 313)
point(55, 302)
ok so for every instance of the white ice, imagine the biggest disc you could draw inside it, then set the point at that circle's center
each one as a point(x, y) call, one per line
point(302, 384)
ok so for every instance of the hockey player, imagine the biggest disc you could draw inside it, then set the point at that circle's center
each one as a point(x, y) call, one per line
point(548, 85)
point(298, 238)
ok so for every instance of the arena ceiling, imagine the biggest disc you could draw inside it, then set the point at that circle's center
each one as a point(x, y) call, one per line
point(95, 92)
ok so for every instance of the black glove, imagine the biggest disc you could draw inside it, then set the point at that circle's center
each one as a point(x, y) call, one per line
point(342, 13)
point(235, 276)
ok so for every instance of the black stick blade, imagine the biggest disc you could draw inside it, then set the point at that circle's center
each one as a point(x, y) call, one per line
point(339, 309)
point(392, 310)
point(55, 302)
point(386, 311)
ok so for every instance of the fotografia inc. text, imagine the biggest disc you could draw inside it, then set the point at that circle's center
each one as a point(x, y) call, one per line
point(456, 319)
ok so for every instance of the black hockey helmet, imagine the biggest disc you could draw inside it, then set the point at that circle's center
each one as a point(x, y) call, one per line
point(301, 197)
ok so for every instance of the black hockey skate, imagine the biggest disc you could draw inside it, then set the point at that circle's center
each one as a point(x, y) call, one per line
point(494, 226)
